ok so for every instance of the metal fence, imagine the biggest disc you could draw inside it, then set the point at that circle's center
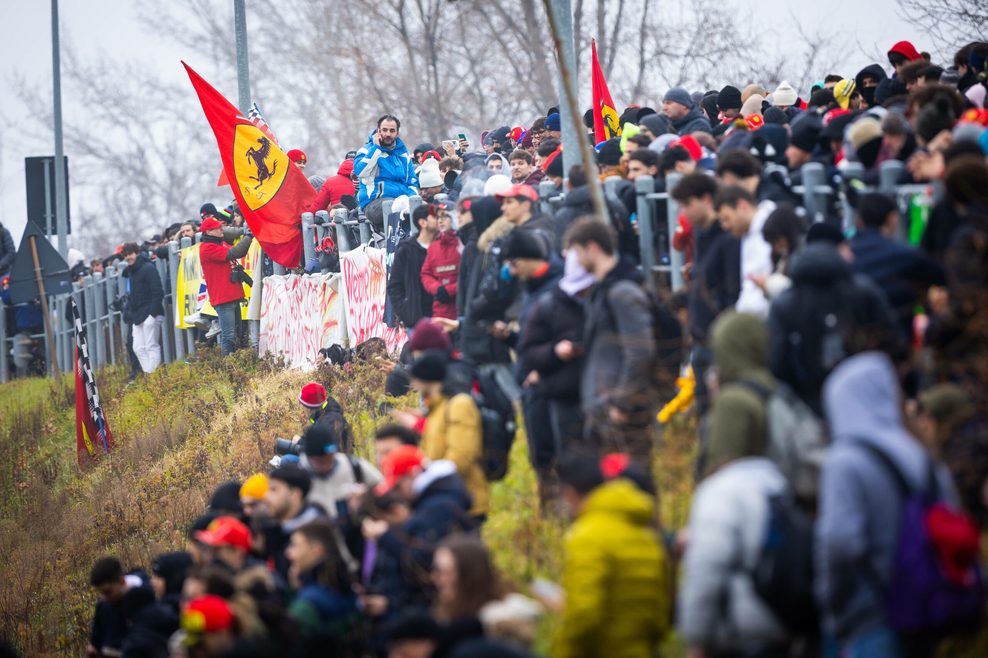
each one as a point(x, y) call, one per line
point(821, 199)
point(103, 319)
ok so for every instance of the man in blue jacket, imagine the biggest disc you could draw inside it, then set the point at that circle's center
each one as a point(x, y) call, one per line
point(383, 165)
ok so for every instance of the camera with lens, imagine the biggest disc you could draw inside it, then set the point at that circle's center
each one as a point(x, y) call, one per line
point(239, 275)
point(287, 447)
point(119, 303)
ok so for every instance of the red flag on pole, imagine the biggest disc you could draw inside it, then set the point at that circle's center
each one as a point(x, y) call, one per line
point(271, 191)
point(605, 118)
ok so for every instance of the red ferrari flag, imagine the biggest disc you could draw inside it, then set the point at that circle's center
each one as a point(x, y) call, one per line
point(271, 191)
point(257, 118)
point(605, 118)
point(92, 432)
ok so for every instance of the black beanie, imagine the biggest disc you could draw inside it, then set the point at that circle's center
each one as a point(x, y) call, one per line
point(320, 439)
point(226, 498)
point(588, 118)
point(825, 233)
point(729, 98)
point(293, 476)
point(610, 153)
point(172, 568)
point(775, 115)
point(555, 167)
point(430, 367)
point(524, 244)
point(806, 132)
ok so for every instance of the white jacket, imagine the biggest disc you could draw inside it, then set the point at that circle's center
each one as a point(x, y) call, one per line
point(756, 258)
point(718, 607)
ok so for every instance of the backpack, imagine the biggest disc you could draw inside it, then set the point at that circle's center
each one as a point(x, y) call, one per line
point(497, 418)
point(667, 336)
point(934, 589)
point(783, 574)
point(797, 441)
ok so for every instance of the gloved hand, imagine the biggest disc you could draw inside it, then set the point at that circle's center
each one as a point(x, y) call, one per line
point(443, 296)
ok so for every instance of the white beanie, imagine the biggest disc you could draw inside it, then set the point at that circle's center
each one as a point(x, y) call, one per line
point(496, 184)
point(429, 174)
point(784, 95)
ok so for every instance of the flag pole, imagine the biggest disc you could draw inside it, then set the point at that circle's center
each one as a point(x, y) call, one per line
point(44, 306)
point(589, 166)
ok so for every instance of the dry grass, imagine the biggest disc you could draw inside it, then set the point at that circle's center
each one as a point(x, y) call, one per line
point(181, 432)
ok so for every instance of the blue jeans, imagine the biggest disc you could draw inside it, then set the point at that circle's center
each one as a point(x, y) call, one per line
point(227, 314)
point(881, 642)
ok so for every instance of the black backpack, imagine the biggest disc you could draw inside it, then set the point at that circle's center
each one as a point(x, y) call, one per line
point(783, 574)
point(497, 417)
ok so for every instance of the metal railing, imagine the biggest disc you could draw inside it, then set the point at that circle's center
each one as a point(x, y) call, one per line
point(107, 331)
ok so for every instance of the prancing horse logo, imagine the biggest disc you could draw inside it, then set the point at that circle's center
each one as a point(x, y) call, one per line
point(258, 164)
point(257, 156)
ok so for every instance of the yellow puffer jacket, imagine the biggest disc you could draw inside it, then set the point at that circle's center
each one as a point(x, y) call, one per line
point(453, 431)
point(615, 577)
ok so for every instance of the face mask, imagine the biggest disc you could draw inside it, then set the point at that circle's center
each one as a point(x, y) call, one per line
point(868, 95)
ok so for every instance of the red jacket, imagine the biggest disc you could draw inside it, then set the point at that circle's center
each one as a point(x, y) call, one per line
point(216, 272)
point(335, 188)
point(441, 268)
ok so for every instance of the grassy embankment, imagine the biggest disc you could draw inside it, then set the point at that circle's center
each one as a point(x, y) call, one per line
point(178, 434)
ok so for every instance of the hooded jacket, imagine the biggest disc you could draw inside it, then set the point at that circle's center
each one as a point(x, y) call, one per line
point(860, 513)
point(695, 121)
point(505, 165)
point(738, 421)
point(719, 609)
point(620, 344)
point(802, 351)
point(7, 250)
point(453, 432)
point(441, 268)
point(146, 291)
point(615, 577)
point(489, 298)
point(483, 211)
point(409, 298)
point(384, 173)
point(335, 188)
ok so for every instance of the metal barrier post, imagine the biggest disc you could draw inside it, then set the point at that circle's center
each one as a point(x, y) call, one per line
point(178, 305)
point(88, 309)
point(363, 227)
point(125, 329)
point(813, 175)
point(342, 236)
point(853, 171)
point(645, 185)
point(165, 337)
point(308, 238)
point(4, 350)
point(102, 310)
point(386, 206)
point(672, 218)
point(546, 189)
point(414, 202)
point(888, 178)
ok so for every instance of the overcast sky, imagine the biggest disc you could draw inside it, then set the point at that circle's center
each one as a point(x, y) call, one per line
point(110, 28)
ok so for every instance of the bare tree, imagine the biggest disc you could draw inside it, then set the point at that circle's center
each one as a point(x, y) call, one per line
point(951, 23)
point(143, 155)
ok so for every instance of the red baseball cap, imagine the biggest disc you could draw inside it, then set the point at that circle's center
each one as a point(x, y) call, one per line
point(398, 464)
point(313, 395)
point(207, 614)
point(692, 146)
point(519, 190)
point(209, 224)
point(225, 531)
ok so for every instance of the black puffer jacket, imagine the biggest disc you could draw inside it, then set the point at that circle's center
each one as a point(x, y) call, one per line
point(488, 300)
point(146, 291)
point(555, 317)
